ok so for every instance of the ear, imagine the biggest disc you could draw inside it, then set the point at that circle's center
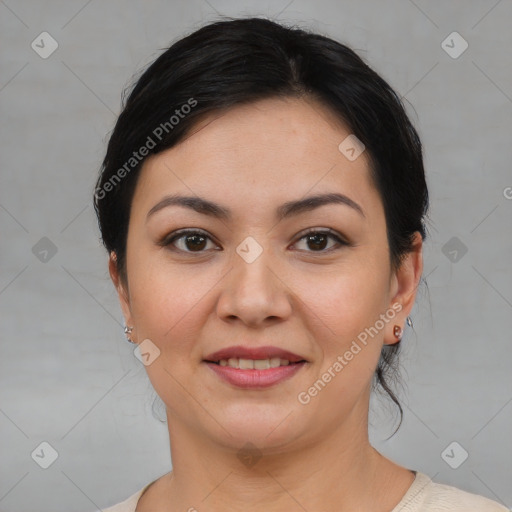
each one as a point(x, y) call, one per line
point(404, 285)
point(121, 288)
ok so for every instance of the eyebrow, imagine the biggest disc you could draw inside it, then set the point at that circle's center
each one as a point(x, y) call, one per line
point(286, 210)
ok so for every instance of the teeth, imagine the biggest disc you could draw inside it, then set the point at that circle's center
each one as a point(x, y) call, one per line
point(261, 364)
point(254, 364)
point(246, 364)
point(274, 362)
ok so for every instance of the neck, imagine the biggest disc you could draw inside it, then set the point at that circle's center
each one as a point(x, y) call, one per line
point(340, 472)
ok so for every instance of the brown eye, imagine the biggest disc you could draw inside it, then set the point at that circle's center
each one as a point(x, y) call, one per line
point(318, 240)
point(190, 241)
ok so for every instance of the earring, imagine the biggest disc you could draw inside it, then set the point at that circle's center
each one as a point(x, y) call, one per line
point(409, 321)
point(397, 331)
point(128, 331)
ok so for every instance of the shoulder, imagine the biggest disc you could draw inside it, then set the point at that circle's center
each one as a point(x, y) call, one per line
point(129, 504)
point(426, 495)
point(457, 499)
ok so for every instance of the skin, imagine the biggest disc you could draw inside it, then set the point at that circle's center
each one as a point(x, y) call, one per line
point(296, 295)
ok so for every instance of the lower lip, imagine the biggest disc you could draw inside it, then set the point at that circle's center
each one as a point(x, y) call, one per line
point(253, 379)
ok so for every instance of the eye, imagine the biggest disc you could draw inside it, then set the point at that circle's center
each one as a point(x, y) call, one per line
point(195, 241)
point(318, 239)
point(191, 239)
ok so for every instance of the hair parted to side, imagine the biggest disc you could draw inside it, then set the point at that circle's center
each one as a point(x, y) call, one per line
point(238, 61)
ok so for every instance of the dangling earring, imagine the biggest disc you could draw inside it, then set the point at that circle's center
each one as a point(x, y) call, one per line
point(397, 331)
point(409, 321)
point(128, 331)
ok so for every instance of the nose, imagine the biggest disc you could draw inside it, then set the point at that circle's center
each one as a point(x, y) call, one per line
point(255, 293)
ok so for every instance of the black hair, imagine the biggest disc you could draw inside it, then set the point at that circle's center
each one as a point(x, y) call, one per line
point(229, 63)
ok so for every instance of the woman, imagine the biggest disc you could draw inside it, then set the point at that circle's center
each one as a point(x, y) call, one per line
point(262, 200)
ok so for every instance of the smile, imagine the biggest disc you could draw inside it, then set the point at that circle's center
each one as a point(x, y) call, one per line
point(254, 364)
point(254, 367)
point(245, 374)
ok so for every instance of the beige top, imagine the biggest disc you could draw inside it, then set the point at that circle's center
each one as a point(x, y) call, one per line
point(423, 495)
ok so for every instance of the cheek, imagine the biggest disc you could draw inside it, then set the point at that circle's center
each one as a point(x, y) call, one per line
point(170, 309)
point(347, 306)
point(347, 301)
point(169, 301)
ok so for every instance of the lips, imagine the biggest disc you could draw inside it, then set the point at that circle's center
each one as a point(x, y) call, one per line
point(254, 353)
point(254, 368)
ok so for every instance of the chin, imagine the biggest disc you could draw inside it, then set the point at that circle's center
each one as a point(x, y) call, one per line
point(264, 426)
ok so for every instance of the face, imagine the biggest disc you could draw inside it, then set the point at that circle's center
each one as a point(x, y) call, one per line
point(256, 273)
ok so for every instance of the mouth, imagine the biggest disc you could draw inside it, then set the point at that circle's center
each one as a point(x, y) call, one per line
point(261, 367)
point(240, 354)
point(254, 364)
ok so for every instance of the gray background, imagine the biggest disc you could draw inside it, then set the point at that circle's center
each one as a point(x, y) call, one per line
point(68, 378)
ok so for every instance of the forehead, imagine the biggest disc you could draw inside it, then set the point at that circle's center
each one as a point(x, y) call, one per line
point(259, 154)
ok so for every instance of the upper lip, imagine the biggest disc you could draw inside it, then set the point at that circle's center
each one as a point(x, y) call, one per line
point(241, 352)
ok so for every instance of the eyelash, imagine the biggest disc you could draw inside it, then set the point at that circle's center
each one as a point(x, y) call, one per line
point(169, 240)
